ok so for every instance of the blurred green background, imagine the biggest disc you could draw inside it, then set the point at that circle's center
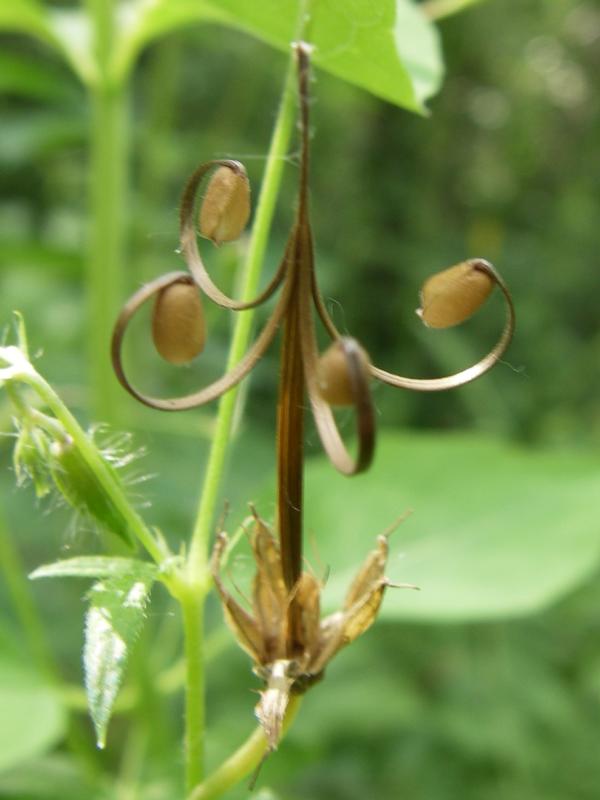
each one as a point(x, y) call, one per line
point(506, 168)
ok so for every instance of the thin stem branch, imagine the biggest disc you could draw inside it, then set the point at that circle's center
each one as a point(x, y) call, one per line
point(20, 594)
point(192, 599)
point(192, 608)
point(244, 761)
point(107, 187)
point(109, 156)
point(262, 225)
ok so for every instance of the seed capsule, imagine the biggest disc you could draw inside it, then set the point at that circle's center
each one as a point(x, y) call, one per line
point(452, 296)
point(226, 205)
point(81, 487)
point(335, 367)
point(178, 327)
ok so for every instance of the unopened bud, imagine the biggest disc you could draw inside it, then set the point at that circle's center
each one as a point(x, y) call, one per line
point(336, 383)
point(30, 460)
point(81, 487)
point(452, 296)
point(226, 205)
point(178, 328)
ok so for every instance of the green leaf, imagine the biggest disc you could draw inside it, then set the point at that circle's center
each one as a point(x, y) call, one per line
point(96, 567)
point(113, 622)
point(388, 48)
point(33, 719)
point(50, 777)
point(497, 531)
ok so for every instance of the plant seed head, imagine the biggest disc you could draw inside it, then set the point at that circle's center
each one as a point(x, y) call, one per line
point(226, 205)
point(83, 490)
point(452, 296)
point(178, 327)
point(335, 379)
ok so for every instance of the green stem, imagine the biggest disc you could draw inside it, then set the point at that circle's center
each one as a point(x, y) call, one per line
point(262, 225)
point(246, 758)
point(20, 594)
point(109, 143)
point(192, 600)
point(192, 603)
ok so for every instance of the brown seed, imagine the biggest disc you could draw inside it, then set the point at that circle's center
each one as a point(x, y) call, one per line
point(452, 296)
point(226, 205)
point(178, 327)
point(335, 372)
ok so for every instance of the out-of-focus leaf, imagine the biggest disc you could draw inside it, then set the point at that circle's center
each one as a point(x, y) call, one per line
point(33, 719)
point(497, 531)
point(388, 48)
point(28, 77)
point(438, 9)
point(113, 623)
point(39, 134)
point(66, 30)
point(97, 567)
point(27, 16)
point(47, 778)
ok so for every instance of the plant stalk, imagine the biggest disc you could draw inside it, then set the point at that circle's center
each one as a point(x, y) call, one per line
point(198, 579)
point(192, 607)
point(109, 155)
point(246, 758)
point(290, 441)
point(264, 215)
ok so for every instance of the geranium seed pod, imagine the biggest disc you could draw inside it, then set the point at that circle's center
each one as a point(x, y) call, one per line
point(178, 327)
point(81, 487)
point(452, 296)
point(335, 366)
point(225, 208)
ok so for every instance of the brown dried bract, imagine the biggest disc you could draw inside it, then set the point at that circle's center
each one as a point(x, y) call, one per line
point(290, 652)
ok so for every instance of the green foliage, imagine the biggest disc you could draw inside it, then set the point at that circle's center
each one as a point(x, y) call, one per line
point(113, 622)
point(96, 567)
point(488, 711)
point(497, 530)
point(33, 717)
point(389, 49)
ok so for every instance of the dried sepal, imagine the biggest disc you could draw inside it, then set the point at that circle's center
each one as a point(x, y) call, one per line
point(453, 295)
point(178, 326)
point(244, 627)
point(269, 595)
point(225, 208)
point(275, 697)
point(291, 651)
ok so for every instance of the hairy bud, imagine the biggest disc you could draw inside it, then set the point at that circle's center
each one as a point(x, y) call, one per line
point(335, 372)
point(226, 205)
point(178, 327)
point(83, 490)
point(452, 296)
